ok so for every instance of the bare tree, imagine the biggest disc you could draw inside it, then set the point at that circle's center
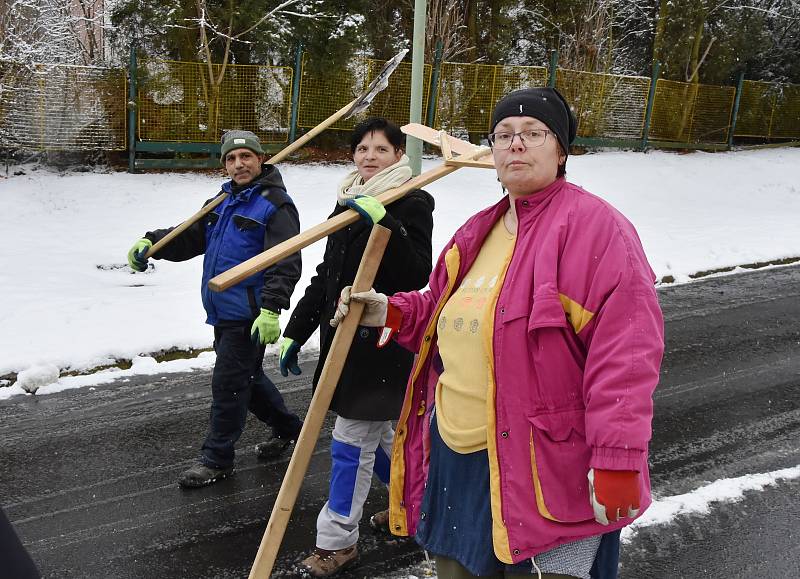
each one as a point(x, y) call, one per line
point(51, 31)
point(447, 23)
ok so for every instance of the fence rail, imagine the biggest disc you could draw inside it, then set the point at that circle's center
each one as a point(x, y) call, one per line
point(50, 107)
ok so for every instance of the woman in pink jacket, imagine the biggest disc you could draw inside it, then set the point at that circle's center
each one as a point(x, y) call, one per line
point(521, 448)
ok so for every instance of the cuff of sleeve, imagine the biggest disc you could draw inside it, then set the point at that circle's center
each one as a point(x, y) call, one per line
point(608, 458)
point(394, 317)
point(392, 224)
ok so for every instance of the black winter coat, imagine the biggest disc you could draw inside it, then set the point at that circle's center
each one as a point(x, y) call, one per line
point(373, 381)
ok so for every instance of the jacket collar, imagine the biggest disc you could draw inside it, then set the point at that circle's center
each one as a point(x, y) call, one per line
point(471, 236)
point(532, 205)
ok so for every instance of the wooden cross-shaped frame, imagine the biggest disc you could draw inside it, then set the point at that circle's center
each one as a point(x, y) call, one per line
point(469, 155)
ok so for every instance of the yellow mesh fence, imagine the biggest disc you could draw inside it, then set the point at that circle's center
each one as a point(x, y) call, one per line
point(769, 110)
point(691, 113)
point(62, 107)
point(605, 105)
point(74, 107)
point(322, 95)
point(183, 101)
point(468, 92)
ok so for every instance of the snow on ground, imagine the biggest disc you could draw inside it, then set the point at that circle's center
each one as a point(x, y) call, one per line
point(65, 303)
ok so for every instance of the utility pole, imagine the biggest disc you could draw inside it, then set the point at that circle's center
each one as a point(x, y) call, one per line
point(414, 145)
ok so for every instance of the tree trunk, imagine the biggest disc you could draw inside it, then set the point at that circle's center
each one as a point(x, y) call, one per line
point(658, 38)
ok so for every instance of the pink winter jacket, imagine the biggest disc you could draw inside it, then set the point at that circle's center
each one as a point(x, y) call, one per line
point(575, 351)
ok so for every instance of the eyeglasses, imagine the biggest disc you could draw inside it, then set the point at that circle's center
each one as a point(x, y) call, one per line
point(529, 138)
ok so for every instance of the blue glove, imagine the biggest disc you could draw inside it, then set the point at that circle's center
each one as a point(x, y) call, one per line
point(137, 255)
point(368, 207)
point(288, 357)
point(266, 329)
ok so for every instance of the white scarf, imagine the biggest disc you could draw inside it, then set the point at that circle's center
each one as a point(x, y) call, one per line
point(392, 176)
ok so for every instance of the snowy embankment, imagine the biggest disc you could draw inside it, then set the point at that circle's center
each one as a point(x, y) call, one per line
point(66, 304)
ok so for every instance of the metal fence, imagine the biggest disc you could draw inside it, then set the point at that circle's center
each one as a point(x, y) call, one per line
point(62, 107)
point(71, 107)
point(322, 94)
point(187, 102)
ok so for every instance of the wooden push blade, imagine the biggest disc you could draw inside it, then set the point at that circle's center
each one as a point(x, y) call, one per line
point(449, 145)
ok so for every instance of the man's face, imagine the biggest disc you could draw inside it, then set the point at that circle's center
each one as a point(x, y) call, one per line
point(243, 165)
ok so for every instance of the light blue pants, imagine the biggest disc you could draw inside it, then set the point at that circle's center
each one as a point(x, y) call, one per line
point(359, 449)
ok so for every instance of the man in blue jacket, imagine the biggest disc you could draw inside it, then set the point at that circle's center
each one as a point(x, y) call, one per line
point(257, 215)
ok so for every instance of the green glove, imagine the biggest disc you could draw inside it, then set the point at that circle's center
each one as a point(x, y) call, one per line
point(287, 362)
point(136, 256)
point(368, 207)
point(266, 329)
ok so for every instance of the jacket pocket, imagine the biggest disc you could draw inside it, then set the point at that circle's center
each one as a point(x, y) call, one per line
point(547, 312)
point(559, 465)
point(251, 232)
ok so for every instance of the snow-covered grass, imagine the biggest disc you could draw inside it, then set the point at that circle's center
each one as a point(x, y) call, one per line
point(65, 303)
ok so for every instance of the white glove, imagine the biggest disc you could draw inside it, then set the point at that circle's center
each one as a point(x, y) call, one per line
point(375, 307)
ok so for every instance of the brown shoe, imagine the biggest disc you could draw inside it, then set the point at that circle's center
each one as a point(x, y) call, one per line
point(324, 563)
point(380, 522)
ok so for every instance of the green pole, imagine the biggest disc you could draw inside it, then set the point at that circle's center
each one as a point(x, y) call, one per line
point(434, 92)
point(651, 97)
point(735, 112)
point(132, 74)
point(414, 145)
point(551, 80)
point(298, 63)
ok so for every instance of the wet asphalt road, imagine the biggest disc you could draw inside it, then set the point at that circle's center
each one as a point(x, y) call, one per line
point(88, 476)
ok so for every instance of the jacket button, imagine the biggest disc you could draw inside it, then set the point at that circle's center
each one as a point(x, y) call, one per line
point(422, 515)
point(502, 310)
point(504, 434)
point(525, 203)
point(427, 338)
point(516, 551)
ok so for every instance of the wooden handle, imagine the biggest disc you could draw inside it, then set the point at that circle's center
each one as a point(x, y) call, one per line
point(273, 255)
point(285, 152)
point(331, 371)
point(280, 156)
point(185, 225)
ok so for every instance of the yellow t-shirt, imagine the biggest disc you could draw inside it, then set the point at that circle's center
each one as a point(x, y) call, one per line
point(462, 388)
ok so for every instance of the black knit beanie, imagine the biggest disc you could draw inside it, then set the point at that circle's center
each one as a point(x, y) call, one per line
point(545, 104)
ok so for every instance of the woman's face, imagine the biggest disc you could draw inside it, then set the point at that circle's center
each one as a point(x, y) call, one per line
point(373, 154)
point(523, 169)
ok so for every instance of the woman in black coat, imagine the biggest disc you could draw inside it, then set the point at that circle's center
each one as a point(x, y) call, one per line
point(370, 392)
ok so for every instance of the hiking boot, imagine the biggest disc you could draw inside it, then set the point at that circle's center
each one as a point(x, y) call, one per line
point(324, 563)
point(201, 475)
point(380, 522)
point(273, 448)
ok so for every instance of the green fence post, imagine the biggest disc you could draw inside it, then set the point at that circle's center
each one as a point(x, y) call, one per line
point(551, 80)
point(651, 97)
point(434, 87)
point(735, 112)
point(413, 144)
point(132, 74)
point(298, 63)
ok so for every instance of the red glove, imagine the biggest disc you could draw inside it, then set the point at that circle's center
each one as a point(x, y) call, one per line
point(614, 494)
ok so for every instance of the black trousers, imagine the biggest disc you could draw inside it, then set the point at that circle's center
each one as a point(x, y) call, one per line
point(238, 384)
